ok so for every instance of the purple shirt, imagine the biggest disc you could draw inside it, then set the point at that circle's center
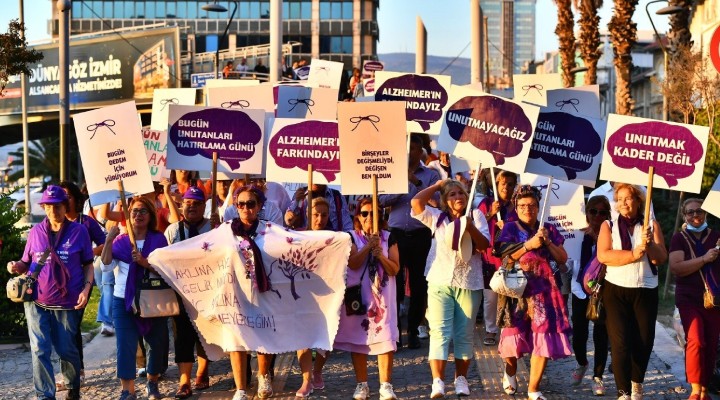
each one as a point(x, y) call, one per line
point(97, 235)
point(400, 203)
point(508, 216)
point(689, 289)
point(75, 251)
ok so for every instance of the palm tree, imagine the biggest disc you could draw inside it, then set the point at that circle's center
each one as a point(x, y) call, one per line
point(566, 39)
point(623, 35)
point(589, 43)
point(679, 33)
point(44, 159)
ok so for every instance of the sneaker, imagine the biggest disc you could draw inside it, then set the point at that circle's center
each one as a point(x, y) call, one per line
point(423, 332)
point(637, 391)
point(264, 386)
point(153, 391)
point(624, 397)
point(126, 395)
point(438, 389)
point(318, 383)
point(240, 395)
point(362, 391)
point(386, 391)
point(107, 330)
point(598, 387)
point(462, 388)
point(578, 374)
point(142, 372)
point(509, 384)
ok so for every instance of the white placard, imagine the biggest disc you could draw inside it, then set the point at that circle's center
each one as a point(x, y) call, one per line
point(111, 149)
point(532, 88)
point(494, 131)
point(325, 74)
point(163, 98)
point(676, 151)
point(580, 100)
point(258, 97)
point(156, 151)
point(712, 201)
point(236, 135)
point(307, 103)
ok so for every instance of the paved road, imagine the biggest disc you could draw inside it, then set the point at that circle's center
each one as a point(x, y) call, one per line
point(411, 375)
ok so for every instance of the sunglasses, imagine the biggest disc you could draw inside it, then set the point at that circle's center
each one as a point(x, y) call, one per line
point(696, 211)
point(139, 211)
point(247, 204)
point(595, 212)
point(365, 214)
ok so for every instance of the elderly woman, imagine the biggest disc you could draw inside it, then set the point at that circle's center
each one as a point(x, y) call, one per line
point(597, 211)
point(496, 213)
point(630, 294)
point(249, 202)
point(371, 329)
point(693, 259)
point(454, 279)
point(130, 265)
point(537, 323)
point(62, 291)
point(312, 374)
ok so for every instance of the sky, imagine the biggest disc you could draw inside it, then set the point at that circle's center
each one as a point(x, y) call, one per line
point(447, 23)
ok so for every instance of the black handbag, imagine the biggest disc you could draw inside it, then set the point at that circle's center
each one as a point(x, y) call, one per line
point(353, 298)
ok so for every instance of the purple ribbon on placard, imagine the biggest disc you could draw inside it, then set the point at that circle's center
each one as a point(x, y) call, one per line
point(536, 86)
point(373, 119)
point(238, 103)
point(308, 103)
point(94, 127)
point(165, 102)
point(555, 186)
point(572, 102)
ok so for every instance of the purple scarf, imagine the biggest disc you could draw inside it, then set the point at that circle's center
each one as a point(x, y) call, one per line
point(59, 270)
point(122, 250)
point(238, 228)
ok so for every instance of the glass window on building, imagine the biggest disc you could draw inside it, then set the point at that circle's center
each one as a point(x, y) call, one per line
point(107, 10)
point(171, 10)
point(130, 10)
point(118, 10)
point(305, 10)
point(77, 9)
point(264, 10)
point(335, 10)
point(254, 10)
point(211, 43)
point(324, 11)
point(140, 10)
point(347, 10)
point(243, 10)
point(160, 9)
point(285, 10)
point(324, 44)
point(294, 11)
point(181, 9)
point(150, 9)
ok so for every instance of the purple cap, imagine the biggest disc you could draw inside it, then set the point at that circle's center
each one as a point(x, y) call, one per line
point(53, 195)
point(194, 193)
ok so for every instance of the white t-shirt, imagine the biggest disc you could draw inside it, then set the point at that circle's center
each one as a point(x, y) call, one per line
point(120, 269)
point(633, 275)
point(448, 268)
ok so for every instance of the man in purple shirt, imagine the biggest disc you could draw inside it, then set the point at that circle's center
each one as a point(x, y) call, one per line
point(412, 236)
point(62, 291)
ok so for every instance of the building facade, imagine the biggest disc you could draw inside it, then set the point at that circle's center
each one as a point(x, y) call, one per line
point(337, 30)
point(511, 36)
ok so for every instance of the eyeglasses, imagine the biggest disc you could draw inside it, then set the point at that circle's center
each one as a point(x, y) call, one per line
point(594, 212)
point(527, 207)
point(696, 211)
point(247, 204)
point(139, 211)
point(365, 214)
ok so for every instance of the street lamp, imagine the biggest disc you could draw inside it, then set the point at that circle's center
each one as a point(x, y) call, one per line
point(669, 10)
point(215, 7)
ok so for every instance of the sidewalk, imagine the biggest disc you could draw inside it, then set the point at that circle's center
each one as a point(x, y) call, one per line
point(411, 375)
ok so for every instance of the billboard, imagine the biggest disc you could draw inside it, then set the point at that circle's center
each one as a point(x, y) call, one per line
point(101, 71)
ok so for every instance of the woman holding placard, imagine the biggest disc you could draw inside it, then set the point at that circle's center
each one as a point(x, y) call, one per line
point(538, 322)
point(631, 252)
point(368, 322)
point(454, 279)
point(597, 211)
point(693, 259)
point(128, 259)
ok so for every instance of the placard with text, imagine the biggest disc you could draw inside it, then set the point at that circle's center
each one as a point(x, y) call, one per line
point(155, 142)
point(236, 135)
point(373, 142)
point(111, 149)
point(325, 74)
point(676, 151)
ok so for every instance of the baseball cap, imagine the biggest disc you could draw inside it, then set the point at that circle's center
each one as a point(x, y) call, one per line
point(53, 195)
point(194, 193)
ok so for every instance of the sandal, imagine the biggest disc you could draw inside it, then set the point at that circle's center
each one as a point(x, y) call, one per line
point(490, 339)
point(509, 384)
point(536, 396)
point(304, 395)
point(202, 382)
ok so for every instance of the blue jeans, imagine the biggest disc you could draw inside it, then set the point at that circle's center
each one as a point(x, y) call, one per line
point(451, 315)
point(50, 329)
point(105, 282)
point(127, 335)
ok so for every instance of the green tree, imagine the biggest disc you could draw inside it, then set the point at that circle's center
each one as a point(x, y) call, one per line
point(623, 33)
point(44, 155)
point(12, 316)
point(14, 53)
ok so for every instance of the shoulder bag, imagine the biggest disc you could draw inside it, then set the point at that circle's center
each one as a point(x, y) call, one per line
point(509, 280)
point(22, 288)
point(155, 298)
